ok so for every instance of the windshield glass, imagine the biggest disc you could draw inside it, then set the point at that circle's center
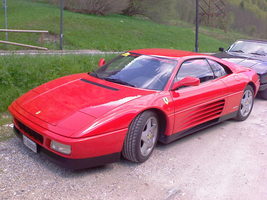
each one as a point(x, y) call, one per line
point(249, 47)
point(141, 71)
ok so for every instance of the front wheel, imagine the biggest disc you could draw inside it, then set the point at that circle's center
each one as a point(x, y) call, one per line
point(141, 137)
point(246, 104)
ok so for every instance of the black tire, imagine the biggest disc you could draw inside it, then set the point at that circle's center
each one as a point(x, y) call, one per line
point(263, 94)
point(134, 144)
point(245, 106)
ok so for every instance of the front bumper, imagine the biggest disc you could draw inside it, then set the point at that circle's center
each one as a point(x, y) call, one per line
point(85, 152)
point(74, 163)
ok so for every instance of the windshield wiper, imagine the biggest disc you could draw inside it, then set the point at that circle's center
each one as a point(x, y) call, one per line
point(94, 73)
point(259, 54)
point(114, 80)
point(238, 51)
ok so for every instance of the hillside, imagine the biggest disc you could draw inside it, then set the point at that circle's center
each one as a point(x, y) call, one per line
point(115, 32)
point(258, 7)
point(244, 16)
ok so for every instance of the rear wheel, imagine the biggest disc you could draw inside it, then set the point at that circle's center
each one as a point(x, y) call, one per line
point(141, 137)
point(263, 94)
point(246, 104)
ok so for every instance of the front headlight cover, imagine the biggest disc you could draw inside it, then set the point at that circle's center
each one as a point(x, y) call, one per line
point(61, 148)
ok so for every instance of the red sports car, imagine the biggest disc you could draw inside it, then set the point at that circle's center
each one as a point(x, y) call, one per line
point(127, 105)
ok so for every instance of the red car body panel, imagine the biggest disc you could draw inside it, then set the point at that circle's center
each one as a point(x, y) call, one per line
point(93, 115)
point(110, 142)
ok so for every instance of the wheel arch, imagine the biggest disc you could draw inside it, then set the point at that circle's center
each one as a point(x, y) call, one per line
point(253, 87)
point(162, 119)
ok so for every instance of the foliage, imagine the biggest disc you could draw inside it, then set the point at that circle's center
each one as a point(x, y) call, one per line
point(249, 18)
point(134, 8)
point(98, 7)
point(173, 11)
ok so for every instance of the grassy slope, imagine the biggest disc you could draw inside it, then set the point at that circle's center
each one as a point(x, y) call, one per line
point(104, 33)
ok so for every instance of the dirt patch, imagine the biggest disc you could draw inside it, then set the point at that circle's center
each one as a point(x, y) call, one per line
point(5, 118)
point(48, 38)
point(6, 132)
point(5, 126)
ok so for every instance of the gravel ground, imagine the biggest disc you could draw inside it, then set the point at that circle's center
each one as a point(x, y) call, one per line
point(226, 161)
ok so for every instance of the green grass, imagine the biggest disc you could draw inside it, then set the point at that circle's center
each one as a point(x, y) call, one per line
point(105, 33)
point(18, 74)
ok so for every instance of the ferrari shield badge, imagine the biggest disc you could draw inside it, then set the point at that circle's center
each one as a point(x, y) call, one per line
point(166, 100)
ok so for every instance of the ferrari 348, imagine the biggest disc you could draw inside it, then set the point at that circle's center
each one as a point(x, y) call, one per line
point(129, 104)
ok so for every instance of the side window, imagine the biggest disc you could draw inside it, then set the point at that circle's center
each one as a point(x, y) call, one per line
point(217, 68)
point(198, 68)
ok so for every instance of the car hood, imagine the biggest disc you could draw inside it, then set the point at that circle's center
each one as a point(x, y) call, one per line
point(258, 63)
point(57, 100)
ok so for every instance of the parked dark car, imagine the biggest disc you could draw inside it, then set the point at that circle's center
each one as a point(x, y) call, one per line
point(252, 54)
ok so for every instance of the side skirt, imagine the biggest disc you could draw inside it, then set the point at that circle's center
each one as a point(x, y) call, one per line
point(168, 139)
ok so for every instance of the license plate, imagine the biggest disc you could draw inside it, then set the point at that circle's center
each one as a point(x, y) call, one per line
point(30, 144)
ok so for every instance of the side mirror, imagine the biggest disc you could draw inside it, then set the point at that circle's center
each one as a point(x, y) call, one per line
point(221, 49)
point(101, 62)
point(187, 81)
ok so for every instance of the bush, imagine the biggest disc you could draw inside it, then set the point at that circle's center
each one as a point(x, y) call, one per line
point(134, 8)
point(97, 7)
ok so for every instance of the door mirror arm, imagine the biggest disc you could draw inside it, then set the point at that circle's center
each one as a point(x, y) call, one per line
point(221, 49)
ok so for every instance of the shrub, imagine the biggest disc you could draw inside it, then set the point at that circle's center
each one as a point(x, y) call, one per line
point(134, 8)
point(97, 7)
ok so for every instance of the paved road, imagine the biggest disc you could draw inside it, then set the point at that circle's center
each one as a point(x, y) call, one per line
point(225, 162)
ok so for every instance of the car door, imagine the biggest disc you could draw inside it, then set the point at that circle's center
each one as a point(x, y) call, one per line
point(233, 83)
point(197, 104)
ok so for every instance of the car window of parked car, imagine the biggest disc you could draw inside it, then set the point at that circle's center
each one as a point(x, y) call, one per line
point(249, 47)
point(217, 68)
point(198, 68)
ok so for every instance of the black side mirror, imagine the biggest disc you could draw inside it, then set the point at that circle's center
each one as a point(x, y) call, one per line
point(221, 49)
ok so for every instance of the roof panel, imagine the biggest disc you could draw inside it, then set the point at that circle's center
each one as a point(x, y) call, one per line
point(165, 52)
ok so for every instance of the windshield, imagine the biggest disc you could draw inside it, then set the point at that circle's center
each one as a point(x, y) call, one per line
point(249, 47)
point(141, 71)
